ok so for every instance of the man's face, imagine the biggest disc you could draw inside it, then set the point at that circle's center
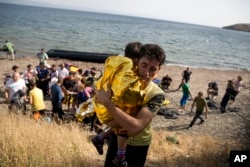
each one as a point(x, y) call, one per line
point(147, 69)
point(200, 95)
point(16, 76)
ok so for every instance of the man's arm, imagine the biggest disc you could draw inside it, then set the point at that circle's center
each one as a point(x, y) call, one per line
point(24, 88)
point(192, 106)
point(133, 125)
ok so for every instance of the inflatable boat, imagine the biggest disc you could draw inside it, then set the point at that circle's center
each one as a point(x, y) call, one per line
point(81, 56)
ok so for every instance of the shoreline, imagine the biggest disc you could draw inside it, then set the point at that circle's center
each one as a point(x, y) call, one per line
point(209, 68)
point(173, 64)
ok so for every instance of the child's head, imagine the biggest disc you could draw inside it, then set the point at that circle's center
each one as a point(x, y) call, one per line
point(132, 51)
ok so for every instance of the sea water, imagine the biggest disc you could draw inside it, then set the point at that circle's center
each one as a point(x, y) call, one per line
point(33, 28)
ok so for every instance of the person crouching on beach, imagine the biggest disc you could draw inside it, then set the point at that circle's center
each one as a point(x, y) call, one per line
point(200, 105)
point(229, 95)
point(9, 47)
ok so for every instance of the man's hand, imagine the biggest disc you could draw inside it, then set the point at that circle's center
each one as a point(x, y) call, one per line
point(103, 96)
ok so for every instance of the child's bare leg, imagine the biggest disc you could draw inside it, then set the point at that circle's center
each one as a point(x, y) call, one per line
point(121, 151)
point(98, 140)
point(122, 142)
point(106, 132)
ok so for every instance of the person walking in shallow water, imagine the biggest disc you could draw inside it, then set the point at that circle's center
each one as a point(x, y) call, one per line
point(200, 105)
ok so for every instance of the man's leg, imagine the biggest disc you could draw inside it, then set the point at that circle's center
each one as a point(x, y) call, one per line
point(199, 116)
point(112, 149)
point(136, 155)
point(194, 119)
point(59, 110)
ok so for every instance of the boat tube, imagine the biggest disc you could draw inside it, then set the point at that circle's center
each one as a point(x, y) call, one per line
point(81, 56)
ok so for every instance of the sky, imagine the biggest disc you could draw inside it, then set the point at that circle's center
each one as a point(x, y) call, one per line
point(215, 13)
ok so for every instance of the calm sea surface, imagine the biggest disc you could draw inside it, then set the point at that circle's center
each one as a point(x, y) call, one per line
point(31, 28)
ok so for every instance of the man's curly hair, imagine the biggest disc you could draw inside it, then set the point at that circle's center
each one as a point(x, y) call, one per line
point(153, 51)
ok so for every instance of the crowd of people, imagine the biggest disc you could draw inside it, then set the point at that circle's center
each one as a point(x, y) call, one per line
point(129, 128)
point(59, 83)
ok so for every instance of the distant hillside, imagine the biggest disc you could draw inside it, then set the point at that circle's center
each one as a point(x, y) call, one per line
point(239, 27)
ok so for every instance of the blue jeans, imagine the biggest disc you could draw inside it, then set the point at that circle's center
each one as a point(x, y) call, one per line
point(184, 99)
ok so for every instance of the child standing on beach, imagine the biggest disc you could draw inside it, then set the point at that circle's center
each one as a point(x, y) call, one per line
point(200, 105)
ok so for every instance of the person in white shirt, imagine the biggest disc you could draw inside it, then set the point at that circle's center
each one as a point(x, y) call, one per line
point(62, 72)
point(13, 86)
